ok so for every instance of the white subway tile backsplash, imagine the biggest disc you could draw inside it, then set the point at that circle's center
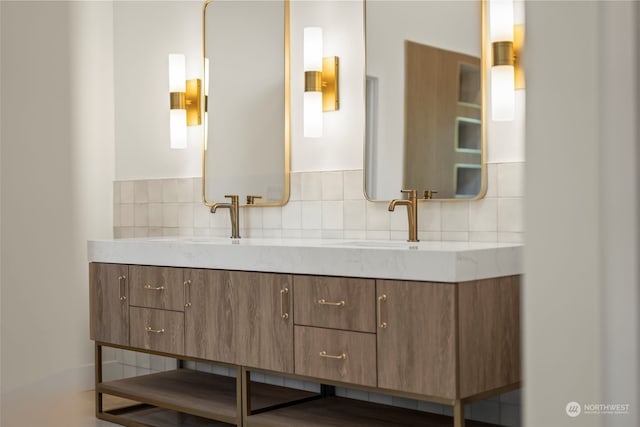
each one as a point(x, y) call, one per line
point(140, 192)
point(170, 214)
point(510, 215)
point(455, 216)
point(272, 217)
point(483, 215)
point(170, 190)
point(496, 217)
point(141, 215)
point(332, 215)
point(332, 186)
point(378, 217)
point(492, 180)
point(127, 215)
point(429, 216)
point(292, 216)
point(355, 215)
point(311, 215)
point(126, 192)
point(185, 215)
point(295, 187)
point(311, 186)
point(185, 190)
point(510, 180)
point(353, 185)
point(154, 190)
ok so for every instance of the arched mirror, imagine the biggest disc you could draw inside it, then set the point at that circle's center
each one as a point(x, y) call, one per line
point(425, 102)
point(247, 130)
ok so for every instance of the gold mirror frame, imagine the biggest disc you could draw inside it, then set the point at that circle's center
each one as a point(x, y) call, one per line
point(287, 115)
point(484, 64)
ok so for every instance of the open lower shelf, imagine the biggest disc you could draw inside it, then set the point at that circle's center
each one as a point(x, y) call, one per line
point(338, 411)
point(160, 417)
point(183, 390)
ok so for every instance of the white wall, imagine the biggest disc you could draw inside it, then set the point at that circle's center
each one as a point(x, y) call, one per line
point(581, 278)
point(145, 32)
point(57, 167)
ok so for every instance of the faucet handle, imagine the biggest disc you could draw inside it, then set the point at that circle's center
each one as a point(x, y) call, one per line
point(251, 200)
point(428, 194)
point(412, 193)
point(234, 198)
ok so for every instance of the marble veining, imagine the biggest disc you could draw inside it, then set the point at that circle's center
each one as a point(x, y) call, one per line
point(439, 261)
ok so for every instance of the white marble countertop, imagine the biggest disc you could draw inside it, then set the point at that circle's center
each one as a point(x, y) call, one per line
point(430, 261)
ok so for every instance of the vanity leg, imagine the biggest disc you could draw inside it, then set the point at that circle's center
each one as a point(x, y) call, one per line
point(245, 390)
point(458, 414)
point(98, 377)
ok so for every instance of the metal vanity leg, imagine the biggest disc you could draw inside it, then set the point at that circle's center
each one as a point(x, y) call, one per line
point(458, 414)
point(98, 377)
point(245, 386)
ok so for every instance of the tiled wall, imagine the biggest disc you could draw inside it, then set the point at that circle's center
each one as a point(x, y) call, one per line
point(322, 205)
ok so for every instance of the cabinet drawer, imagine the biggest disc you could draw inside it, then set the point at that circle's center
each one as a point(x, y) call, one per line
point(159, 330)
point(344, 356)
point(156, 287)
point(333, 302)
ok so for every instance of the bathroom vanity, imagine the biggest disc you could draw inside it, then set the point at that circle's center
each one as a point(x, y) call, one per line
point(434, 321)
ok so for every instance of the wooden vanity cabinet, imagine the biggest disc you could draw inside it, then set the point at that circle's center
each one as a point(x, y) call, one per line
point(109, 305)
point(443, 342)
point(416, 337)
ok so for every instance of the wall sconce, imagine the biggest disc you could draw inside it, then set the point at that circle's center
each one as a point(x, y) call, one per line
point(506, 72)
point(320, 83)
point(184, 101)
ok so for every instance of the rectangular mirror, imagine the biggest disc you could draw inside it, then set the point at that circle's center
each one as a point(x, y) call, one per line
point(247, 130)
point(425, 102)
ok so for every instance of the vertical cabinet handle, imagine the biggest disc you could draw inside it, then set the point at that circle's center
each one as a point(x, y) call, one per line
point(122, 288)
point(382, 324)
point(187, 293)
point(283, 293)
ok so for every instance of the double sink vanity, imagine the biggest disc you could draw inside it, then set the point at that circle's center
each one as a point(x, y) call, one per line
point(434, 321)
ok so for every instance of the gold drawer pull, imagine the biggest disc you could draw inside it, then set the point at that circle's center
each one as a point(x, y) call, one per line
point(323, 301)
point(342, 356)
point(283, 313)
point(121, 282)
point(155, 331)
point(151, 288)
point(187, 293)
point(382, 324)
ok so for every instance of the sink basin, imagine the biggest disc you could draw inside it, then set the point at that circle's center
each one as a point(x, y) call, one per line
point(382, 244)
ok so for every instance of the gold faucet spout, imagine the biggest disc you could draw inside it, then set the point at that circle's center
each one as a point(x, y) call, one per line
point(234, 213)
point(412, 212)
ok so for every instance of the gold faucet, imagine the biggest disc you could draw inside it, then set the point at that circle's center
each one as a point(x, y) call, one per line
point(234, 210)
point(412, 211)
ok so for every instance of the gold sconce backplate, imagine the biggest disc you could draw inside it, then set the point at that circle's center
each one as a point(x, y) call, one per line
point(330, 84)
point(194, 115)
point(518, 42)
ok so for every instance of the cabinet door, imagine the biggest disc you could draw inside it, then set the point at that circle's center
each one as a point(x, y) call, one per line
point(108, 293)
point(416, 337)
point(211, 315)
point(265, 332)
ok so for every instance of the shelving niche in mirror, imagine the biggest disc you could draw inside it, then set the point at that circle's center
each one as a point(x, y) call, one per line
point(425, 98)
point(247, 129)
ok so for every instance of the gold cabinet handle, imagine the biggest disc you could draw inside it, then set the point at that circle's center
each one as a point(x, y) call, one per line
point(187, 293)
point(151, 288)
point(381, 299)
point(122, 285)
point(154, 331)
point(342, 356)
point(323, 301)
point(283, 293)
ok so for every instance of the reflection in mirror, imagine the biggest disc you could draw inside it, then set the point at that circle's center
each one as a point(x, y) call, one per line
point(424, 99)
point(246, 147)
